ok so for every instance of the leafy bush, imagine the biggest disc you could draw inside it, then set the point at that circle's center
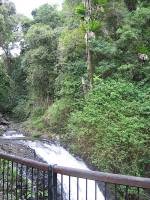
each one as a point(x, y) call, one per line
point(56, 116)
point(21, 111)
point(100, 2)
point(112, 130)
point(94, 25)
point(80, 9)
point(5, 90)
point(68, 83)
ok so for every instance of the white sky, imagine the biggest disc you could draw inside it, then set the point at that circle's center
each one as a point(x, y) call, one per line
point(26, 6)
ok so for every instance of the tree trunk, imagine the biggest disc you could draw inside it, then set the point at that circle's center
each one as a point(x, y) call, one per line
point(7, 60)
point(90, 66)
point(8, 63)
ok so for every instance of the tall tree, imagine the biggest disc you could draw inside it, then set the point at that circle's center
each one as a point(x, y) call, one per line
point(8, 31)
point(90, 12)
point(41, 52)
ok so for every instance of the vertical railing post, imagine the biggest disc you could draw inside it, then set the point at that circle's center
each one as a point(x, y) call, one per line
point(55, 185)
point(50, 193)
point(52, 184)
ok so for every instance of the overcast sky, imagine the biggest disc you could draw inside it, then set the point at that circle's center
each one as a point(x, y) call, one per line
point(26, 6)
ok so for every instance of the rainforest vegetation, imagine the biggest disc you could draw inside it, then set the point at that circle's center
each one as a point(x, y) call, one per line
point(82, 73)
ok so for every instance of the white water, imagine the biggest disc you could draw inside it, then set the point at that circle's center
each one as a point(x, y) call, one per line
point(57, 155)
point(12, 134)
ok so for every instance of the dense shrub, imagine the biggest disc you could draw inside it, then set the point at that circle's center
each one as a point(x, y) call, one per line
point(5, 90)
point(112, 130)
point(21, 111)
point(56, 117)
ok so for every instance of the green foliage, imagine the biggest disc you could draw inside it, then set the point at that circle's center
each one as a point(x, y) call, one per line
point(36, 135)
point(35, 121)
point(70, 4)
point(4, 88)
point(25, 23)
point(131, 4)
point(105, 69)
point(7, 90)
point(71, 44)
point(68, 83)
point(112, 129)
point(100, 2)
point(48, 15)
point(104, 47)
point(40, 60)
point(9, 34)
point(94, 25)
point(38, 34)
point(56, 117)
point(20, 111)
point(80, 10)
point(8, 23)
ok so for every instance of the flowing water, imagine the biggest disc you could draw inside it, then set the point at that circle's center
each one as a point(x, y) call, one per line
point(54, 154)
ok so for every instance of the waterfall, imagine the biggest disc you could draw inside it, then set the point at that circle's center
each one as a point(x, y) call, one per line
point(54, 154)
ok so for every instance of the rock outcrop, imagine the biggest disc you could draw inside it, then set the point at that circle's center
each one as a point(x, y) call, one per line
point(3, 124)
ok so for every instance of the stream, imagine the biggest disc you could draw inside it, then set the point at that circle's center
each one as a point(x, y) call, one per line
point(55, 154)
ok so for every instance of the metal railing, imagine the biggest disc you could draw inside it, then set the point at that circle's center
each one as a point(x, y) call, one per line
point(22, 179)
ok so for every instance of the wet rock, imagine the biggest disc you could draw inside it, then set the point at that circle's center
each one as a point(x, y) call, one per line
point(2, 129)
point(10, 133)
point(3, 124)
point(3, 121)
point(15, 148)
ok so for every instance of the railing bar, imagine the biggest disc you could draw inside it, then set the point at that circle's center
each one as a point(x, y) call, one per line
point(50, 183)
point(32, 171)
point(37, 185)
point(69, 187)
point(55, 185)
point(1, 175)
point(105, 177)
point(77, 188)
point(24, 161)
point(95, 190)
point(3, 179)
point(16, 180)
point(21, 178)
point(7, 178)
point(138, 193)
point(86, 191)
point(115, 192)
point(26, 182)
point(105, 191)
point(126, 193)
point(43, 185)
point(12, 176)
point(61, 187)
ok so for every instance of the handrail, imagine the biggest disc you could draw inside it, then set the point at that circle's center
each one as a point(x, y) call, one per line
point(92, 175)
point(105, 177)
point(24, 161)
